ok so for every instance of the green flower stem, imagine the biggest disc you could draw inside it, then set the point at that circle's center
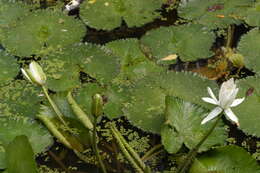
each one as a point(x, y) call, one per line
point(230, 35)
point(95, 147)
point(192, 154)
point(125, 152)
point(54, 106)
point(81, 115)
point(152, 151)
point(53, 128)
point(132, 152)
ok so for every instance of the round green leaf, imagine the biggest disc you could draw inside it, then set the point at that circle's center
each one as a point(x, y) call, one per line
point(214, 14)
point(166, 41)
point(134, 64)
point(228, 159)
point(20, 98)
point(249, 47)
point(248, 111)
point(9, 67)
point(108, 15)
point(146, 106)
point(49, 31)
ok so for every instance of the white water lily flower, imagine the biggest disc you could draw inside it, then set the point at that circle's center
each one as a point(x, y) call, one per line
point(72, 5)
point(227, 95)
point(35, 73)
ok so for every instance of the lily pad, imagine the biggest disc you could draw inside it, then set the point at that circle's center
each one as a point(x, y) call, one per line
point(188, 86)
point(134, 64)
point(177, 40)
point(183, 126)
point(214, 14)
point(116, 97)
point(249, 47)
point(145, 108)
point(231, 159)
point(15, 126)
point(248, 111)
point(49, 31)
point(108, 15)
point(62, 72)
point(84, 96)
point(20, 98)
point(9, 67)
point(15, 10)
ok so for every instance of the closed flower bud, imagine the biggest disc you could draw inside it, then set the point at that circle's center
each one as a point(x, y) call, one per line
point(97, 105)
point(35, 73)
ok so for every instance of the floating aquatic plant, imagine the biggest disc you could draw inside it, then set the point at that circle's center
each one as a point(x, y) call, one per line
point(166, 41)
point(49, 31)
point(108, 15)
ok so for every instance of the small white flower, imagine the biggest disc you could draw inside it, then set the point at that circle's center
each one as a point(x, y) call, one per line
point(35, 73)
point(72, 5)
point(227, 95)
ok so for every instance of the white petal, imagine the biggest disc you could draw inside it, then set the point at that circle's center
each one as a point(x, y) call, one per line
point(237, 102)
point(214, 113)
point(231, 115)
point(212, 94)
point(25, 74)
point(209, 100)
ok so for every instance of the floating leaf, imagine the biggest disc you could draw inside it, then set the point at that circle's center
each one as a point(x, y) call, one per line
point(229, 159)
point(214, 14)
point(84, 96)
point(9, 67)
point(249, 47)
point(165, 41)
point(108, 15)
point(20, 157)
point(146, 106)
point(11, 11)
point(252, 14)
point(49, 31)
point(188, 86)
point(183, 125)
point(62, 72)
point(248, 111)
point(98, 63)
point(15, 126)
point(134, 64)
point(20, 98)
point(116, 97)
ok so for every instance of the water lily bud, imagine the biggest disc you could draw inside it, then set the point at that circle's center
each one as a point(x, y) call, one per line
point(35, 73)
point(97, 105)
point(237, 60)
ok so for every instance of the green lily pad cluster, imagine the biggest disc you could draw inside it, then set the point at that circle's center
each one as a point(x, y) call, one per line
point(177, 40)
point(41, 32)
point(214, 14)
point(107, 15)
